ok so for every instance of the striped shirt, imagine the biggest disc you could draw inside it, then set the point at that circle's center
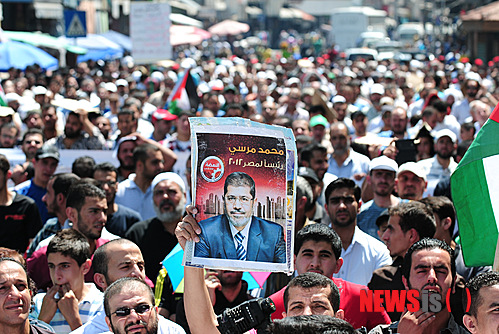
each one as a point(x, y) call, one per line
point(88, 308)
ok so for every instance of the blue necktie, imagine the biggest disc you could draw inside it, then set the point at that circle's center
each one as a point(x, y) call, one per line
point(240, 251)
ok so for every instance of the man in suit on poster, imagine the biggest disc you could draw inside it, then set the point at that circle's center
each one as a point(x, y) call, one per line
point(237, 234)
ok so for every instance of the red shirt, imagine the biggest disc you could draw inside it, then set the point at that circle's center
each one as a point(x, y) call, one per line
point(349, 303)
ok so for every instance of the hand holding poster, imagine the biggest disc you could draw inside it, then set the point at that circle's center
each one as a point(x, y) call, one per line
point(243, 188)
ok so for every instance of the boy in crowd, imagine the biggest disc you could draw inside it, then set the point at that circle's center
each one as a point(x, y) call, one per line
point(70, 302)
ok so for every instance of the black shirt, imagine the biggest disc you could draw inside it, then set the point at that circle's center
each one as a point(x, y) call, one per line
point(154, 242)
point(19, 222)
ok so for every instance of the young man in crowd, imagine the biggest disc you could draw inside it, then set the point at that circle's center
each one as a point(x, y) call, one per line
point(70, 302)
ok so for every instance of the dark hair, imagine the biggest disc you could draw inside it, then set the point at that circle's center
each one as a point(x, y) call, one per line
point(415, 215)
point(100, 260)
point(428, 112)
point(33, 131)
point(83, 166)
point(307, 152)
point(440, 106)
point(442, 207)
point(4, 164)
point(79, 192)
point(318, 233)
point(141, 152)
point(462, 147)
point(127, 111)
point(340, 183)
point(312, 280)
point(303, 188)
point(474, 285)
point(427, 244)
point(106, 167)
point(126, 283)
point(469, 126)
point(311, 324)
point(69, 242)
point(63, 182)
point(240, 179)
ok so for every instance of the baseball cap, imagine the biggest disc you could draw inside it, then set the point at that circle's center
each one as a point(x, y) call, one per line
point(48, 152)
point(6, 111)
point(384, 163)
point(231, 88)
point(168, 176)
point(39, 90)
point(121, 82)
point(377, 89)
point(163, 114)
point(338, 99)
point(445, 133)
point(318, 120)
point(308, 173)
point(413, 168)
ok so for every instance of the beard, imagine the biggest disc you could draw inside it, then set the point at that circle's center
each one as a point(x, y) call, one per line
point(71, 134)
point(349, 222)
point(444, 155)
point(152, 328)
point(170, 216)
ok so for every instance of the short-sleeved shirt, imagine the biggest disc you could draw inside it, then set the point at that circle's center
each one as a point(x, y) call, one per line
point(88, 307)
point(19, 222)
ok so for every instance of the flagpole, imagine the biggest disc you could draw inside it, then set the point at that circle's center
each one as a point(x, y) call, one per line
point(495, 267)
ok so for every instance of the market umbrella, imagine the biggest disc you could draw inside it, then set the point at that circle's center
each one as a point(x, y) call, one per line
point(19, 55)
point(229, 27)
point(39, 39)
point(99, 47)
point(173, 265)
point(121, 39)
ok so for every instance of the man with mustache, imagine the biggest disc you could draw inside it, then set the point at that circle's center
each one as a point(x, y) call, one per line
point(156, 236)
point(382, 172)
point(119, 217)
point(428, 266)
point(237, 234)
point(15, 305)
point(129, 307)
point(408, 223)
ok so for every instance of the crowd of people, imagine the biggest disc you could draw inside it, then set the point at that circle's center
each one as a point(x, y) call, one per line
point(376, 142)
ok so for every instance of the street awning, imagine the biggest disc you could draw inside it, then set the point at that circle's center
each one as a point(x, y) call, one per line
point(185, 20)
point(39, 39)
point(294, 13)
point(48, 10)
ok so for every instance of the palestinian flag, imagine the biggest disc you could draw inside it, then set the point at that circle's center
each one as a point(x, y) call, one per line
point(475, 192)
point(2, 97)
point(184, 96)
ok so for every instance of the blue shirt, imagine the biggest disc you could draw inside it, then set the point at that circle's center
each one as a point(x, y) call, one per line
point(30, 189)
point(366, 219)
point(356, 163)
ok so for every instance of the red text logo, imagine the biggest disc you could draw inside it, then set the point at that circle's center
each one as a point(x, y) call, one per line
point(398, 300)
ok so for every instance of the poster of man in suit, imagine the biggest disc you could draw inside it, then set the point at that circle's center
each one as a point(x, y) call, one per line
point(243, 189)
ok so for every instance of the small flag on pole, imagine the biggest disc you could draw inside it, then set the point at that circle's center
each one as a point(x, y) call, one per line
point(184, 96)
